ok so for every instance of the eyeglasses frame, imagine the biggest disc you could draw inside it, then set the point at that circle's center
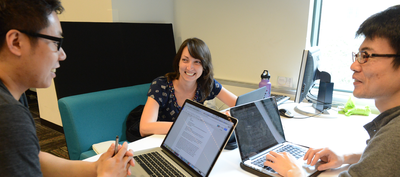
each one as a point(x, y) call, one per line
point(355, 57)
point(56, 39)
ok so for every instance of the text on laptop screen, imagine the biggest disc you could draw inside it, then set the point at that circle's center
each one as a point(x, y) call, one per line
point(259, 125)
point(202, 134)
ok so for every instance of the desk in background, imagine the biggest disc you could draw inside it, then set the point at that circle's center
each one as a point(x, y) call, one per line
point(342, 134)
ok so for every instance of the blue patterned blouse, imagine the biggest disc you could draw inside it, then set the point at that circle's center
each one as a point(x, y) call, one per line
point(163, 92)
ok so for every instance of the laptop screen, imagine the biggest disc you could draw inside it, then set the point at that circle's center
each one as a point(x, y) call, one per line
point(260, 126)
point(198, 135)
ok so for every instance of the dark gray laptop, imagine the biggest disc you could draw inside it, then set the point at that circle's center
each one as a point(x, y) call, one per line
point(243, 99)
point(260, 131)
point(254, 95)
point(192, 145)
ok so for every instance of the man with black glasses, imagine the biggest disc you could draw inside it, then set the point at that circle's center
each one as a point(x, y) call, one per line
point(30, 52)
point(376, 76)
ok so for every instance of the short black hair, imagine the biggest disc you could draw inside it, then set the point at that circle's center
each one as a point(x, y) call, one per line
point(28, 15)
point(385, 24)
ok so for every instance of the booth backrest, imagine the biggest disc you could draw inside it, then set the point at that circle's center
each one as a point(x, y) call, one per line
point(98, 116)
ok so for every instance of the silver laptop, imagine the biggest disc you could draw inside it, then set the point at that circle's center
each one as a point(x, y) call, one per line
point(260, 131)
point(192, 145)
point(251, 96)
point(259, 94)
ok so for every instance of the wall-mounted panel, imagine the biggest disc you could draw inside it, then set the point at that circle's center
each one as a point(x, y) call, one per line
point(103, 56)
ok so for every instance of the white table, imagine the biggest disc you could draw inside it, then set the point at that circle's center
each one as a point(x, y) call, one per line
point(343, 134)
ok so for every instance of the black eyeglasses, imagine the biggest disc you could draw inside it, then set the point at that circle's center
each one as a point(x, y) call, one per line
point(58, 41)
point(362, 56)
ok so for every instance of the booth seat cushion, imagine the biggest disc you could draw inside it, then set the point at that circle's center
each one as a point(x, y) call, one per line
point(98, 116)
point(87, 154)
point(91, 152)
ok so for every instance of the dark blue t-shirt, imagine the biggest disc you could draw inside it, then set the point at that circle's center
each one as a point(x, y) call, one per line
point(19, 145)
point(163, 92)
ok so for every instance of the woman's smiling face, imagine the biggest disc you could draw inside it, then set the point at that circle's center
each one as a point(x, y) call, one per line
point(190, 69)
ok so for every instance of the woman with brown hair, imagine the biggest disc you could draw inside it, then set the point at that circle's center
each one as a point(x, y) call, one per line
point(192, 78)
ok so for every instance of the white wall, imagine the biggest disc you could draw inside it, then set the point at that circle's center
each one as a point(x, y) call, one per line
point(143, 11)
point(246, 37)
point(87, 11)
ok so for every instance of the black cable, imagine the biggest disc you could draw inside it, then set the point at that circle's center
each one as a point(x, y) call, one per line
point(314, 115)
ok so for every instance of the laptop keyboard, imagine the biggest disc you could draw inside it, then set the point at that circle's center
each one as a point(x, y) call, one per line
point(280, 98)
point(156, 165)
point(295, 151)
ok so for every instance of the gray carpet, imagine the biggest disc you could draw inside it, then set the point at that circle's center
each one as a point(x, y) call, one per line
point(50, 140)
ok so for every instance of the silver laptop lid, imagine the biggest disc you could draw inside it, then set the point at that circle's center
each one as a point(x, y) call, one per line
point(260, 127)
point(254, 95)
point(198, 136)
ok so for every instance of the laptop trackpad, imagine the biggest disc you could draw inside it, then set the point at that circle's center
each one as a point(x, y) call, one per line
point(310, 169)
point(138, 171)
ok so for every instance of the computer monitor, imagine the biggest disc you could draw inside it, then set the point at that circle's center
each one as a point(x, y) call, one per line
point(308, 76)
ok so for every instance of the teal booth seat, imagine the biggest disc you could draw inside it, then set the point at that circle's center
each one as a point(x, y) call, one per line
point(98, 116)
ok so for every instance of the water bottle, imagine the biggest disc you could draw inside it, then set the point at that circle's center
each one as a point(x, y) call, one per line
point(265, 82)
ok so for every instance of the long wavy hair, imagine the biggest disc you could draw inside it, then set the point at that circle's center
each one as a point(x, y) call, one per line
point(199, 50)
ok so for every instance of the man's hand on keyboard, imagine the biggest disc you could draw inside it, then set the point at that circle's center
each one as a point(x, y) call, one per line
point(284, 163)
point(332, 159)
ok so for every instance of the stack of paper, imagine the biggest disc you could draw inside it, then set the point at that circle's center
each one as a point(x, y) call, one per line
point(102, 147)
